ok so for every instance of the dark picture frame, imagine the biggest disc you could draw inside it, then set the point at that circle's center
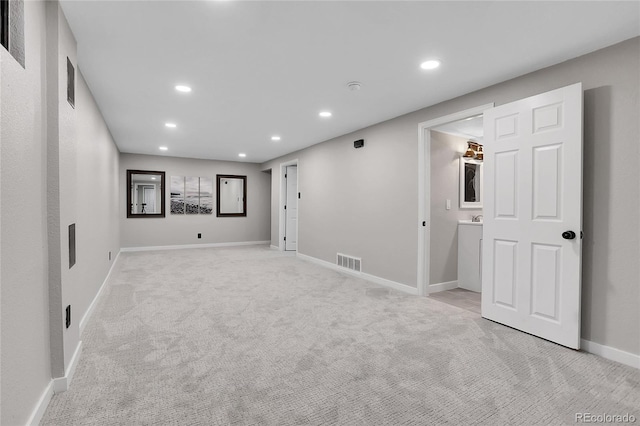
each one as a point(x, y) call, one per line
point(130, 183)
point(222, 182)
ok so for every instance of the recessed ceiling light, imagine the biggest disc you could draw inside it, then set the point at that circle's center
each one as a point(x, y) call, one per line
point(183, 89)
point(153, 178)
point(242, 155)
point(171, 125)
point(430, 65)
point(275, 138)
point(163, 148)
point(325, 114)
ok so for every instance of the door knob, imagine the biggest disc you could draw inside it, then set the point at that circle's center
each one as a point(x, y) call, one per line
point(568, 235)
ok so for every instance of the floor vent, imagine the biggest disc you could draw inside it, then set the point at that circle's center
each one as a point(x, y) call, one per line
point(349, 262)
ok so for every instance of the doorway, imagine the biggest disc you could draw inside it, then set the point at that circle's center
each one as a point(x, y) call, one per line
point(291, 209)
point(455, 163)
point(288, 211)
point(439, 197)
point(531, 245)
point(145, 196)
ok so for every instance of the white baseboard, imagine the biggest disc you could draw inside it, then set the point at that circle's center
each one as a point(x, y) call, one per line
point(57, 385)
point(192, 246)
point(94, 302)
point(61, 384)
point(372, 278)
point(613, 354)
point(41, 406)
point(435, 288)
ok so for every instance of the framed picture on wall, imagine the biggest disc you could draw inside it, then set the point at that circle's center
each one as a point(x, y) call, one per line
point(470, 183)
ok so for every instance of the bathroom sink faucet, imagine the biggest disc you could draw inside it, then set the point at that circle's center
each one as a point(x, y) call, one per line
point(477, 218)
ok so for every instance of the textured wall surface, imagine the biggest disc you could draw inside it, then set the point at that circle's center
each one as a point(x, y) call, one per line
point(366, 203)
point(359, 201)
point(25, 367)
point(68, 179)
point(98, 224)
point(180, 229)
point(52, 155)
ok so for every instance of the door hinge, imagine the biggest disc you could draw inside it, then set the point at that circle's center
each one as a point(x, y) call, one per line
point(424, 223)
point(285, 238)
point(285, 207)
point(298, 195)
point(285, 175)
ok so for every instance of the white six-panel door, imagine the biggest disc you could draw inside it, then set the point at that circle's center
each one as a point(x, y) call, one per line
point(291, 214)
point(533, 188)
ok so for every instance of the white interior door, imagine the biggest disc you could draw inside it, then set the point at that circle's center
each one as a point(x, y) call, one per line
point(533, 186)
point(149, 198)
point(291, 209)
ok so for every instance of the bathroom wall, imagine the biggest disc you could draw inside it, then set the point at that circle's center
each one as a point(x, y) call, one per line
point(446, 151)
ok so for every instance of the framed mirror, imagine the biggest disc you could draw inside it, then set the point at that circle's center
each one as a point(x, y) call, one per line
point(145, 194)
point(231, 195)
point(470, 183)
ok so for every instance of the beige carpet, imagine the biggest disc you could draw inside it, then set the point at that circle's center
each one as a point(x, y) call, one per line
point(250, 336)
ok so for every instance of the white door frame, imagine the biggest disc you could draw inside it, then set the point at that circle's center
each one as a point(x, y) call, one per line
point(424, 189)
point(282, 201)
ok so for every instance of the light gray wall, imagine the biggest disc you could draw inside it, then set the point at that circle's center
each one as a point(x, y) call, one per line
point(184, 229)
point(98, 193)
point(68, 185)
point(51, 156)
point(354, 201)
point(62, 176)
point(25, 368)
point(446, 151)
point(364, 202)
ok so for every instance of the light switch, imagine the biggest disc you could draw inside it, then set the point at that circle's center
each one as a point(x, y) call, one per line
point(448, 206)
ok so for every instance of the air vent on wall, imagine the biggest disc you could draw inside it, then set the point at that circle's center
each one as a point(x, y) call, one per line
point(349, 262)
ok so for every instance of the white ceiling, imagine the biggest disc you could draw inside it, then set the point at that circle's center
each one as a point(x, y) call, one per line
point(468, 128)
point(267, 68)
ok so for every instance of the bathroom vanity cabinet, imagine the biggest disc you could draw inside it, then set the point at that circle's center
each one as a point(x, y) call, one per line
point(470, 255)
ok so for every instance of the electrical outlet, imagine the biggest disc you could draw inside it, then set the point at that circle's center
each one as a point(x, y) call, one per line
point(67, 320)
point(199, 235)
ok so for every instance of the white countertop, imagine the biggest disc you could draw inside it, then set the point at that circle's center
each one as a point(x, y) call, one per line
point(468, 222)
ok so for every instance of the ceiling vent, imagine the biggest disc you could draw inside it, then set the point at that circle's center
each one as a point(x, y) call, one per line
point(349, 262)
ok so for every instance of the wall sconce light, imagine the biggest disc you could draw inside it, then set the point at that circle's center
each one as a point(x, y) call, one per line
point(471, 153)
point(474, 150)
